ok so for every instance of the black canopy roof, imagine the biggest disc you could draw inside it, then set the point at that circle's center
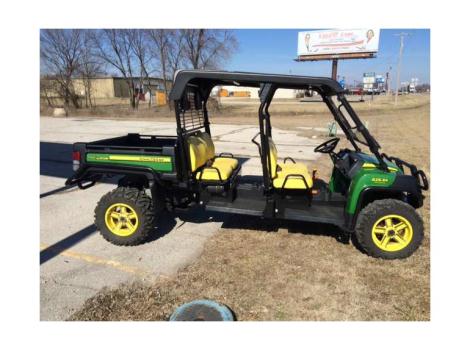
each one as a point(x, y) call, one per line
point(207, 79)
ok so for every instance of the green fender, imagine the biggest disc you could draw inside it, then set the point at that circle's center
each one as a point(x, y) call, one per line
point(367, 179)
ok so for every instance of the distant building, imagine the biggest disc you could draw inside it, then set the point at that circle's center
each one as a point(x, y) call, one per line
point(109, 90)
point(250, 92)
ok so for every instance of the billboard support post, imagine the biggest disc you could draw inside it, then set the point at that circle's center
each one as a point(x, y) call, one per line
point(334, 68)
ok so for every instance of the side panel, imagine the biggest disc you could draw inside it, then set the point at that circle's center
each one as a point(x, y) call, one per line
point(338, 182)
point(367, 179)
point(163, 164)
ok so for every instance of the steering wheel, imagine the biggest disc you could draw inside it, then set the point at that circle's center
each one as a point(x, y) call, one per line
point(327, 146)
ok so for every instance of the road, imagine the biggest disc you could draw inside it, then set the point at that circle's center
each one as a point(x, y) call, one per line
point(75, 261)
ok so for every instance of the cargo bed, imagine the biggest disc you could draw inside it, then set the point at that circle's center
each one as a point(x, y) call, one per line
point(151, 155)
point(134, 142)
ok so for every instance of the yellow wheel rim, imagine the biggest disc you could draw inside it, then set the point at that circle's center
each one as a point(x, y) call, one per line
point(392, 233)
point(121, 219)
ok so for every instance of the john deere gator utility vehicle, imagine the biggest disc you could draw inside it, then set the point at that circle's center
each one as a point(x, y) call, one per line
point(369, 194)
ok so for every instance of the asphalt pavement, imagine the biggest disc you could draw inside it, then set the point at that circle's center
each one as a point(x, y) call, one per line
point(75, 260)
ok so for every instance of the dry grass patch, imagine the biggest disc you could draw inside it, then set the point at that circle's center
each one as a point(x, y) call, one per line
point(283, 272)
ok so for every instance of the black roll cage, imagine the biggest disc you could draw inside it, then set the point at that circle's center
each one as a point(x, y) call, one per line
point(200, 83)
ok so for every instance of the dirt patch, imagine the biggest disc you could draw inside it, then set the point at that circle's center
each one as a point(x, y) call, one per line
point(266, 270)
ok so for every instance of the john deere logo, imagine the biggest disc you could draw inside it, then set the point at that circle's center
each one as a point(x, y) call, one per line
point(128, 158)
point(140, 158)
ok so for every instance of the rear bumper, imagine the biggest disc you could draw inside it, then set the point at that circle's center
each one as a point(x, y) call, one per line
point(82, 179)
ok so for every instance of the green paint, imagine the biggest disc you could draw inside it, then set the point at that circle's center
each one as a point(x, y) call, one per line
point(157, 163)
point(338, 182)
point(367, 177)
point(372, 160)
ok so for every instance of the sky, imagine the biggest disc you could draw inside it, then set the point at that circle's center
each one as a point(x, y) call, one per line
point(274, 51)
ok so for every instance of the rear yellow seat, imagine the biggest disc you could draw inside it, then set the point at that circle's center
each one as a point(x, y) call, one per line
point(213, 174)
point(203, 160)
point(279, 172)
point(232, 162)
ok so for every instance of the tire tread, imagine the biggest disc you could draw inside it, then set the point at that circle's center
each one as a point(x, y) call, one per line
point(141, 200)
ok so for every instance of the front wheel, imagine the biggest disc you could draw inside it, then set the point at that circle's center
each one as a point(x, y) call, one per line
point(389, 229)
point(125, 216)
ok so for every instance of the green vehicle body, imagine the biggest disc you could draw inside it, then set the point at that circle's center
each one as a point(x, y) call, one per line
point(370, 176)
point(162, 163)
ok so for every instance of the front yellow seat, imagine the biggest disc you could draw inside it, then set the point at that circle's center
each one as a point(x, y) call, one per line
point(299, 175)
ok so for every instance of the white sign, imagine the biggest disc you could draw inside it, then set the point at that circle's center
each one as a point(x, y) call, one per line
point(338, 41)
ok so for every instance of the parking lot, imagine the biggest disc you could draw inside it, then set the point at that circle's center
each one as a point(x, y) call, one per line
point(75, 261)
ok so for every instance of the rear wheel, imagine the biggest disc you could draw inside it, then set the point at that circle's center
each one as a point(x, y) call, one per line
point(125, 216)
point(389, 229)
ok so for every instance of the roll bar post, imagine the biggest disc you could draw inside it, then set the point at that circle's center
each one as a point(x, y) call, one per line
point(266, 95)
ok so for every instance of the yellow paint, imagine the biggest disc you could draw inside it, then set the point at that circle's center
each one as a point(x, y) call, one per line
point(139, 158)
point(121, 219)
point(379, 179)
point(373, 166)
point(392, 233)
point(99, 261)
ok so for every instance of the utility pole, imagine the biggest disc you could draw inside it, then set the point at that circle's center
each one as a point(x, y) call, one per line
point(402, 37)
point(388, 82)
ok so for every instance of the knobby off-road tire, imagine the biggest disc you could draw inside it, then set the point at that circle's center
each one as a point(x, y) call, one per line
point(137, 204)
point(372, 221)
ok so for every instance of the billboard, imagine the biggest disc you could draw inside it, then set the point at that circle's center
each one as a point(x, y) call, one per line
point(338, 41)
point(368, 78)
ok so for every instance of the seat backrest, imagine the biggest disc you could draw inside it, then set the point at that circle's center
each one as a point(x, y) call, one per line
point(197, 152)
point(272, 158)
point(205, 137)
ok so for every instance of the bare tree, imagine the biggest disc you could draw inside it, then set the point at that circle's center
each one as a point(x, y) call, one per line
point(161, 40)
point(61, 51)
point(208, 48)
point(45, 89)
point(114, 47)
point(90, 66)
point(176, 57)
point(140, 47)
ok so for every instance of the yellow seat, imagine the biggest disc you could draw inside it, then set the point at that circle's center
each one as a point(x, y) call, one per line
point(211, 174)
point(300, 175)
point(225, 161)
point(203, 164)
point(293, 167)
point(206, 138)
point(295, 181)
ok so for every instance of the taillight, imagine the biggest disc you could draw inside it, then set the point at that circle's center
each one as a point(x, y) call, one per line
point(76, 156)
